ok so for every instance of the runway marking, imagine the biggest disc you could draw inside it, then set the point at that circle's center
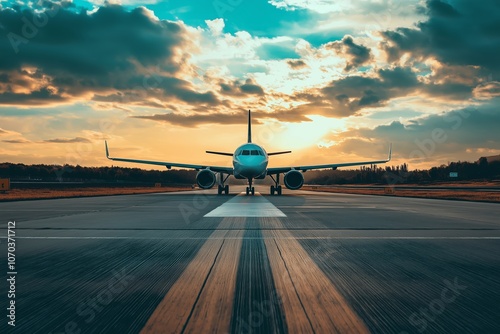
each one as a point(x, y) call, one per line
point(246, 206)
point(213, 310)
point(201, 300)
point(311, 302)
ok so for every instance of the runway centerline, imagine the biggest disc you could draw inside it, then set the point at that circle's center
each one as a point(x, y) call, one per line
point(246, 206)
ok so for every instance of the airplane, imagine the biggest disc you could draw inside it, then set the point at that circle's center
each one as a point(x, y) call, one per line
point(249, 162)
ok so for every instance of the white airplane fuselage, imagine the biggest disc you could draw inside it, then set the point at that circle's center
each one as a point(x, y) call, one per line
point(250, 162)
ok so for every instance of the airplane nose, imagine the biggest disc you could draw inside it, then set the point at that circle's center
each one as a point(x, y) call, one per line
point(252, 167)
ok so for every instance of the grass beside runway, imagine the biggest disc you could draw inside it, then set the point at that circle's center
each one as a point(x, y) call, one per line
point(464, 195)
point(48, 193)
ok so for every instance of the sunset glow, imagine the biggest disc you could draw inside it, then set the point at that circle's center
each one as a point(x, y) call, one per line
point(330, 80)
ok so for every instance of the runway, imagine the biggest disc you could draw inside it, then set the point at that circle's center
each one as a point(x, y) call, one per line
point(304, 262)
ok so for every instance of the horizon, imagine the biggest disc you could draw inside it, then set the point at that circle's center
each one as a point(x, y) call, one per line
point(331, 81)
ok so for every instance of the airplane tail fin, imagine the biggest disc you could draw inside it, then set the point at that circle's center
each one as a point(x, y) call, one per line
point(107, 151)
point(249, 128)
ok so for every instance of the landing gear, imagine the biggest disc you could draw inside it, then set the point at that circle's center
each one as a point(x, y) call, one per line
point(250, 189)
point(276, 188)
point(221, 188)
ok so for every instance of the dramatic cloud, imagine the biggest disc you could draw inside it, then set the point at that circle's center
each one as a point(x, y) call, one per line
point(355, 54)
point(456, 33)
point(433, 139)
point(63, 54)
point(157, 69)
point(356, 92)
point(236, 88)
point(240, 117)
point(488, 90)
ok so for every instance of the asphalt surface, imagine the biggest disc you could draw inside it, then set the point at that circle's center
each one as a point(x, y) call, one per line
point(301, 262)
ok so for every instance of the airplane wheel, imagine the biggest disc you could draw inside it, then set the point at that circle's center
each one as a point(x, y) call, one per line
point(248, 191)
point(272, 190)
point(226, 189)
point(253, 191)
point(219, 190)
point(279, 190)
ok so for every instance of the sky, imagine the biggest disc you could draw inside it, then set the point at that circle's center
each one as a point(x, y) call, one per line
point(331, 80)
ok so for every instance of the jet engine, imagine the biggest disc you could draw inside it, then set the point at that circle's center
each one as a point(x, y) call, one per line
point(205, 179)
point(294, 180)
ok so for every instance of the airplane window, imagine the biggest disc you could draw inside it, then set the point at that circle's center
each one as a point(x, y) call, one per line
point(261, 153)
point(255, 152)
point(246, 152)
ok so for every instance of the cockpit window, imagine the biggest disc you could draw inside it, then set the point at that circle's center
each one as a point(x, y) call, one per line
point(250, 152)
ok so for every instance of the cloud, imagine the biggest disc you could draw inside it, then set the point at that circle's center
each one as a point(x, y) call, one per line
point(44, 95)
point(16, 141)
point(215, 26)
point(240, 117)
point(356, 54)
point(108, 52)
point(193, 120)
point(352, 93)
point(320, 6)
point(67, 140)
point(238, 89)
point(458, 33)
point(487, 90)
point(296, 64)
point(432, 139)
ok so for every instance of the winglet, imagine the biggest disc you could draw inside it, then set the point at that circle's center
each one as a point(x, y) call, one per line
point(390, 152)
point(249, 128)
point(107, 151)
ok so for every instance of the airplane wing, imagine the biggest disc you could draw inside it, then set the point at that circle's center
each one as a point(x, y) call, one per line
point(277, 170)
point(227, 170)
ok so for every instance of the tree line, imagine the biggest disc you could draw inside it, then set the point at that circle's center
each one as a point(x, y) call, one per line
point(465, 171)
point(480, 170)
point(67, 173)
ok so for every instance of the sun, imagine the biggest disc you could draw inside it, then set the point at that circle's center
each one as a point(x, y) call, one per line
point(297, 136)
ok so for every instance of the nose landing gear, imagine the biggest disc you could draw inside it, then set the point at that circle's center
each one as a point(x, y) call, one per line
point(250, 189)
